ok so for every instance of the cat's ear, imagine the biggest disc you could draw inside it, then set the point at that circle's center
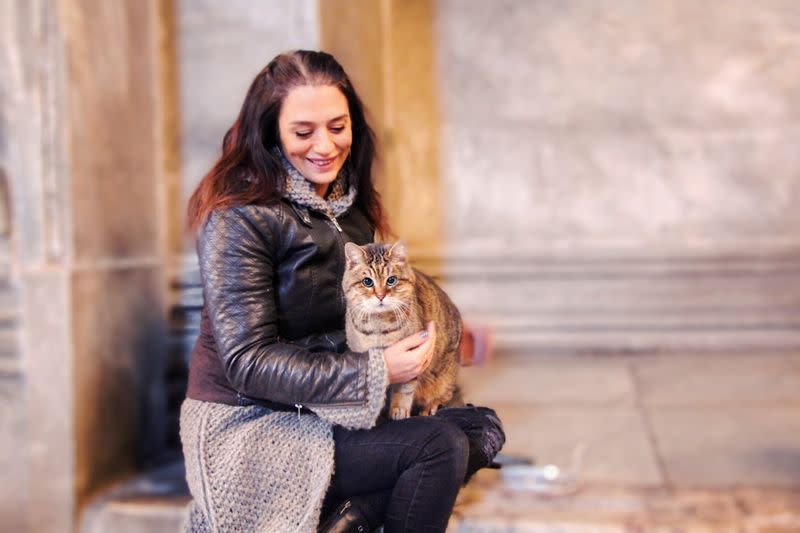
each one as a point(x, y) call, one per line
point(355, 254)
point(398, 251)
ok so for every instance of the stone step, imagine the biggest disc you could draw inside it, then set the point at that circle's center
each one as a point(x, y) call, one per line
point(152, 502)
point(488, 505)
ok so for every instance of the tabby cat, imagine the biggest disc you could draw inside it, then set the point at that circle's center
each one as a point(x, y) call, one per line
point(388, 300)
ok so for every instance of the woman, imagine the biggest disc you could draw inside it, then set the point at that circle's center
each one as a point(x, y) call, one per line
point(281, 419)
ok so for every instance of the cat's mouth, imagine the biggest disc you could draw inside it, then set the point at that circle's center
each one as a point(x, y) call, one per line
point(383, 305)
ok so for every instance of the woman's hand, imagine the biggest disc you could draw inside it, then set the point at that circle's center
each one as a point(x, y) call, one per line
point(407, 358)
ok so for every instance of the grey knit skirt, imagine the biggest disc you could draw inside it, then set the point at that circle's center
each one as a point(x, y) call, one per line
point(250, 469)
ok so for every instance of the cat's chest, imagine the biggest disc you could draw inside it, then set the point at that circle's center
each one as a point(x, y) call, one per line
point(378, 330)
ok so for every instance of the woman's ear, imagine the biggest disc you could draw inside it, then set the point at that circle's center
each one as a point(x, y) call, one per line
point(354, 254)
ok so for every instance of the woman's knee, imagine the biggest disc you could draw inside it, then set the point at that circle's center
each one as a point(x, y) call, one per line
point(447, 442)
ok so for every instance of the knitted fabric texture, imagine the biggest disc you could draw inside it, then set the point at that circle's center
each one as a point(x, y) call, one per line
point(301, 191)
point(251, 469)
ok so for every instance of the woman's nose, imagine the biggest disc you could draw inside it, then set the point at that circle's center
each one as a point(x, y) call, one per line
point(323, 144)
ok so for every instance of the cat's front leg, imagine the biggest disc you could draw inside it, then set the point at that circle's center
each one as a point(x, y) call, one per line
point(402, 398)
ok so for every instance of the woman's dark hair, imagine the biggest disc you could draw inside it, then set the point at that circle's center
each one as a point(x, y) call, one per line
point(249, 172)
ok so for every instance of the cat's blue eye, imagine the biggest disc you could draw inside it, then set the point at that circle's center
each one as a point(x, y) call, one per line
point(367, 282)
point(391, 281)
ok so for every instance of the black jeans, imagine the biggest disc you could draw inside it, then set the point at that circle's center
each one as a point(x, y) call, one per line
point(407, 473)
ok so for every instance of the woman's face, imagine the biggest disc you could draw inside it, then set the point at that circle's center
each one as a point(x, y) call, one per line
point(314, 126)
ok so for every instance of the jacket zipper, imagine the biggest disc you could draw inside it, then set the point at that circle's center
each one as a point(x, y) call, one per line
point(340, 298)
point(340, 271)
point(335, 223)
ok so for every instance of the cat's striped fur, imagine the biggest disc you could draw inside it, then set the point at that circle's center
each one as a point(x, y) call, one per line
point(395, 302)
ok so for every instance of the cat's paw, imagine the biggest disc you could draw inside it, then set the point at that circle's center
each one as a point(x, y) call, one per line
point(399, 413)
point(429, 411)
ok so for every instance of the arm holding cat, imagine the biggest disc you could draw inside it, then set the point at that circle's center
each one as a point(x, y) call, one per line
point(237, 261)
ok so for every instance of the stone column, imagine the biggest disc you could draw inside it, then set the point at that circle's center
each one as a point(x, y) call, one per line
point(387, 48)
point(85, 166)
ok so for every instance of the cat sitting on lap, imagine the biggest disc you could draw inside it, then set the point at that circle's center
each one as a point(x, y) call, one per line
point(388, 300)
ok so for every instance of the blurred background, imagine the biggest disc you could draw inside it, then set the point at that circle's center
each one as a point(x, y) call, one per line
point(610, 185)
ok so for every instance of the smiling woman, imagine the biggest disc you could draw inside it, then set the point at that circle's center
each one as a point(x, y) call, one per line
point(315, 132)
point(282, 422)
point(292, 114)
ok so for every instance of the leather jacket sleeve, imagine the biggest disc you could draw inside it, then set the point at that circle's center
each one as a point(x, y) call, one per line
point(334, 340)
point(237, 250)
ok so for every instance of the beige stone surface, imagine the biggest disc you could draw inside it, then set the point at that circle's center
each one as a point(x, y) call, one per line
point(758, 379)
point(619, 188)
point(118, 331)
point(619, 64)
point(488, 506)
point(725, 446)
point(86, 201)
point(13, 488)
point(353, 31)
point(616, 441)
point(619, 124)
point(619, 301)
point(112, 151)
point(545, 381)
point(49, 401)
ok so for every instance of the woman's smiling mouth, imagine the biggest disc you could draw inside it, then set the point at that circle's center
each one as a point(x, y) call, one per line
point(321, 163)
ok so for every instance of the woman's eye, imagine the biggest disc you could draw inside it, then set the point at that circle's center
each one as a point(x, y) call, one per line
point(337, 129)
point(367, 282)
point(303, 134)
point(391, 281)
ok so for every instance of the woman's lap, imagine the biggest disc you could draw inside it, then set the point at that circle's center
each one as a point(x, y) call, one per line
point(408, 470)
point(437, 454)
point(372, 460)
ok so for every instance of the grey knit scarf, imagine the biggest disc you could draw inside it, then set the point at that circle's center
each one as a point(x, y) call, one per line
point(299, 190)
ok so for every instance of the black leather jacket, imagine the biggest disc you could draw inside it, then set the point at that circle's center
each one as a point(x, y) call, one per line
point(272, 326)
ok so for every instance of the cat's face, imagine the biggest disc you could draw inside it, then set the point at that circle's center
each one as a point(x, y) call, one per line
point(378, 278)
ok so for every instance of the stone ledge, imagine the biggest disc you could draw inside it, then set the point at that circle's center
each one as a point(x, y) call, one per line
point(152, 502)
point(486, 505)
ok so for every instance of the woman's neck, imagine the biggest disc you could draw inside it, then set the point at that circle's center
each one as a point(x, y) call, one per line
point(322, 189)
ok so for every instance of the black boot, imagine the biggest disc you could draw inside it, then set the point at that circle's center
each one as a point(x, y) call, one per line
point(347, 518)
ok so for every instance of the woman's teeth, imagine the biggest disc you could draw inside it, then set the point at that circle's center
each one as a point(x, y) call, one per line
point(322, 162)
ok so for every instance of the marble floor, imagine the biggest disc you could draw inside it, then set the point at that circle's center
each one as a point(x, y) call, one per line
point(700, 442)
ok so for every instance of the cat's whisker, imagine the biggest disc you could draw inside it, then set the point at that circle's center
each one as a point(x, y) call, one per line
point(397, 317)
point(402, 311)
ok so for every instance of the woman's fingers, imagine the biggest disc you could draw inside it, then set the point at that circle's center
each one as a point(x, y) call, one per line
point(407, 358)
point(428, 347)
point(414, 340)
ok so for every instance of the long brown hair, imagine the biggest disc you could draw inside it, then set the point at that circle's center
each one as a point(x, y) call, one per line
point(249, 172)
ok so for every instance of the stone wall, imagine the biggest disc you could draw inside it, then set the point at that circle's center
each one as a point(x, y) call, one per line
point(622, 175)
point(620, 123)
point(82, 405)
